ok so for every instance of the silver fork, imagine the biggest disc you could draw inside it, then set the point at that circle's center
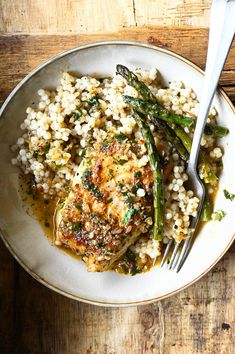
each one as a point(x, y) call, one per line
point(222, 29)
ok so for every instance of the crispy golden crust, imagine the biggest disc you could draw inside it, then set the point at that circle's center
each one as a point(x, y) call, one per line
point(102, 215)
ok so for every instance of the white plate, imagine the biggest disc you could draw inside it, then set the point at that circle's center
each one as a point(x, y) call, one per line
point(23, 235)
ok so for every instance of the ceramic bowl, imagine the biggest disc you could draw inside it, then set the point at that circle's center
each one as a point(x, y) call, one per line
point(23, 235)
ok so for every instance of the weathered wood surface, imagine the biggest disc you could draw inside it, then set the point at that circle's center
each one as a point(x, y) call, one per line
point(36, 320)
point(20, 53)
point(82, 16)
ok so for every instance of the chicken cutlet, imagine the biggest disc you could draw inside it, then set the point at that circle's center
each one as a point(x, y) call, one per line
point(105, 211)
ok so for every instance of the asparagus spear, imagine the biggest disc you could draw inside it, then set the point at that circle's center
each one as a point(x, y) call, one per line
point(156, 110)
point(184, 138)
point(132, 79)
point(158, 191)
point(172, 138)
point(146, 107)
point(146, 93)
point(203, 165)
point(207, 209)
point(216, 130)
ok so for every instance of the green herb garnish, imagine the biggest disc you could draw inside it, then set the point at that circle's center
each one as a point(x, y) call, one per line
point(137, 174)
point(129, 200)
point(120, 162)
point(77, 114)
point(221, 214)
point(121, 137)
point(105, 146)
point(104, 128)
point(127, 217)
point(93, 101)
point(93, 189)
point(47, 147)
point(85, 254)
point(229, 195)
point(136, 270)
point(90, 185)
point(83, 154)
point(76, 225)
point(86, 174)
point(57, 167)
point(94, 217)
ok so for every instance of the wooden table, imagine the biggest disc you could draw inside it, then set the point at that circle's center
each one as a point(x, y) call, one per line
point(33, 319)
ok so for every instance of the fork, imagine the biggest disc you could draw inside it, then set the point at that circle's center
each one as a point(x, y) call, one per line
point(222, 29)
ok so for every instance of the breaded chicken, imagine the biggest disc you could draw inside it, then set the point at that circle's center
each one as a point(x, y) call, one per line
point(109, 205)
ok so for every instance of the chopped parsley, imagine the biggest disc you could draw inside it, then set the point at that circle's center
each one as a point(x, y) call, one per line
point(93, 101)
point(138, 174)
point(90, 185)
point(129, 200)
point(109, 200)
point(83, 154)
point(94, 217)
point(128, 216)
point(107, 252)
point(121, 137)
point(86, 174)
point(95, 191)
point(136, 270)
point(120, 162)
point(105, 146)
point(111, 171)
point(220, 214)
point(85, 254)
point(76, 225)
point(77, 114)
point(57, 167)
point(104, 128)
point(229, 195)
point(47, 148)
point(78, 206)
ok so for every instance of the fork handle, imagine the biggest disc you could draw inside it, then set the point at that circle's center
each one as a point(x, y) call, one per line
point(222, 29)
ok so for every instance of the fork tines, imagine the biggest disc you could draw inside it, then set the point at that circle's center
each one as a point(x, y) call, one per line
point(176, 253)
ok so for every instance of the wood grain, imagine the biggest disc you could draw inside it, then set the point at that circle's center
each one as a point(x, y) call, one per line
point(91, 16)
point(200, 319)
point(30, 51)
point(35, 320)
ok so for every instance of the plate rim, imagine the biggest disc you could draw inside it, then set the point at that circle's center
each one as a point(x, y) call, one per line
point(40, 279)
